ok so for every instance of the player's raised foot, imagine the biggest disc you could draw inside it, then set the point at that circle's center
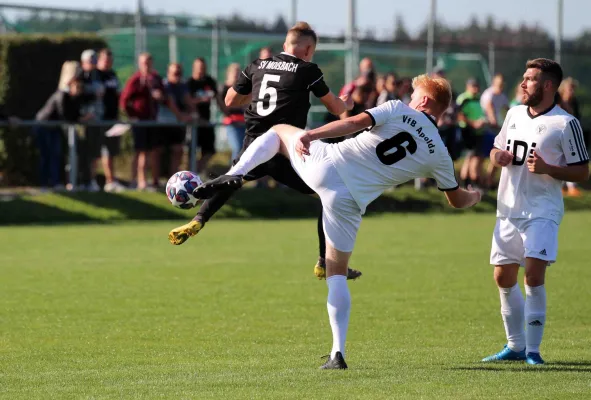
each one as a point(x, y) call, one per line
point(207, 189)
point(506, 355)
point(180, 235)
point(320, 271)
point(338, 362)
point(534, 359)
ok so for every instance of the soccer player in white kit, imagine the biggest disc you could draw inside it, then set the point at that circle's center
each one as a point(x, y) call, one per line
point(402, 144)
point(539, 146)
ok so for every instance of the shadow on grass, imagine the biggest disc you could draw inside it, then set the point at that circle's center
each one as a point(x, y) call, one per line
point(132, 208)
point(22, 210)
point(562, 366)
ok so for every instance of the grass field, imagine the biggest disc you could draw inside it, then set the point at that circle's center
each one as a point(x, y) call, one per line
point(114, 311)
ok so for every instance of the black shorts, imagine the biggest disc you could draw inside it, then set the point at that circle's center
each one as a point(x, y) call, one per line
point(95, 139)
point(206, 139)
point(144, 138)
point(474, 142)
point(169, 136)
point(278, 168)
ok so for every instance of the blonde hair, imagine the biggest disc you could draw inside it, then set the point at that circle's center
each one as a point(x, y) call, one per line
point(299, 31)
point(438, 90)
point(570, 81)
point(70, 70)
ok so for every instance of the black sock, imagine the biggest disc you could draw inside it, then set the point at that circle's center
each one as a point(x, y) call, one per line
point(321, 239)
point(211, 206)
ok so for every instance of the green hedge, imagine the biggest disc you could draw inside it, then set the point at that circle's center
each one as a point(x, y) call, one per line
point(30, 67)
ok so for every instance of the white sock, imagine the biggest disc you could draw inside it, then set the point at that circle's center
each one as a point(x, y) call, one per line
point(535, 317)
point(571, 185)
point(260, 151)
point(339, 307)
point(512, 310)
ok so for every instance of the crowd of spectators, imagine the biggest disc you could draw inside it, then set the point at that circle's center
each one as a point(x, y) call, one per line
point(90, 90)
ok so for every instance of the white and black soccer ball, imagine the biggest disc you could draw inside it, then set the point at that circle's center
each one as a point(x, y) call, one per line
point(179, 189)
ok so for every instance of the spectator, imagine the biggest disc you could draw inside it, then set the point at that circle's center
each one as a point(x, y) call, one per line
point(404, 87)
point(233, 116)
point(518, 99)
point(140, 99)
point(203, 89)
point(64, 105)
point(177, 107)
point(389, 91)
point(366, 70)
point(380, 83)
point(471, 119)
point(110, 145)
point(265, 53)
point(569, 103)
point(495, 105)
point(363, 90)
point(448, 122)
point(92, 103)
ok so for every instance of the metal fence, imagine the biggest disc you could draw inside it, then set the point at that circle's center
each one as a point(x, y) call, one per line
point(72, 136)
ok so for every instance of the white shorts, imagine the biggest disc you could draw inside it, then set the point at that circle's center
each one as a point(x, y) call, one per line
point(341, 216)
point(516, 239)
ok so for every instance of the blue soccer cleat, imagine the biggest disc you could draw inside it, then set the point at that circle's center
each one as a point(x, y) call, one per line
point(534, 359)
point(506, 355)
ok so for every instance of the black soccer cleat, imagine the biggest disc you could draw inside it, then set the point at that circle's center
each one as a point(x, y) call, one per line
point(338, 362)
point(224, 182)
point(320, 271)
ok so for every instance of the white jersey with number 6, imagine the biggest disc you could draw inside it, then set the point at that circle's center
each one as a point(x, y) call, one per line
point(557, 137)
point(403, 144)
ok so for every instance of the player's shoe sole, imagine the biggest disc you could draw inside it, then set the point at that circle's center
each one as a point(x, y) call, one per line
point(208, 189)
point(180, 235)
point(338, 362)
point(506, 355)
point(320, 272)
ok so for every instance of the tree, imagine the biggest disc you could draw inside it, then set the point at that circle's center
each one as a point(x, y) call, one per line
point(400, 31)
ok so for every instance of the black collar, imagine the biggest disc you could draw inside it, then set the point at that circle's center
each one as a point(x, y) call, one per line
point(430, 119)
point(542, 113)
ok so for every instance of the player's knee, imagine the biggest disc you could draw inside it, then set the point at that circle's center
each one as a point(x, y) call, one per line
point(534, 278)
point(505, 277)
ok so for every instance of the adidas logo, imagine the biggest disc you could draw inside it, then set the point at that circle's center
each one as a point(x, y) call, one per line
point(543, 252)
point(512, 126)
point(535, 323)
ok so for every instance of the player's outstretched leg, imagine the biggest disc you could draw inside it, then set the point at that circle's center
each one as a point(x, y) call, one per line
point(260, 151)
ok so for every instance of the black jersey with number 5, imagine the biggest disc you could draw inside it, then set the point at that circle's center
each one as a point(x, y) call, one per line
point(280, 88)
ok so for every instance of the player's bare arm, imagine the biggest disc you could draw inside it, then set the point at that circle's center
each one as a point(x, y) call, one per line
point(461, 198)
point(337, 105)
point(500, 158)
point(570, 173)
point(235, 99)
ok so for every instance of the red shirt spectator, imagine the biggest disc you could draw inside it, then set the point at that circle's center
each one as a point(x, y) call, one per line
point(142, 92)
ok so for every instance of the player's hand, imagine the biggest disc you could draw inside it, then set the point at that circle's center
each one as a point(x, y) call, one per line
point(503, 158)
point(348, 101)
point(303, 145)
point(536, 164)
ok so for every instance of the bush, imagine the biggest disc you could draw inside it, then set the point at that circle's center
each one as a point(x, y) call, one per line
point(30, 66)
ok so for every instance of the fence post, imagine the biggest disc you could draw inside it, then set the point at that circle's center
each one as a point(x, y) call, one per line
point(73, 158)
point(193, 149)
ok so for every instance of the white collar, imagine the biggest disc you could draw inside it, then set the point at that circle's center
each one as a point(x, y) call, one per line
point(288, 54)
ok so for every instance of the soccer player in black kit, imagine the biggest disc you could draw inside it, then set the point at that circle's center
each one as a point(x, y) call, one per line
point(277, 91)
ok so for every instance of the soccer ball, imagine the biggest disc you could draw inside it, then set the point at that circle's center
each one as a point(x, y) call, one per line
point(179, 189)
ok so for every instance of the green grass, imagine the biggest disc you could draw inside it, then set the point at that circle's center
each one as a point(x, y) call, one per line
point(20, 208)
point(114, 311)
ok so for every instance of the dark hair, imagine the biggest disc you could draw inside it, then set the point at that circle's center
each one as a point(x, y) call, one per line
point(107, 51)
point(551, 70)
point(303, 29)
point(200, 59)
